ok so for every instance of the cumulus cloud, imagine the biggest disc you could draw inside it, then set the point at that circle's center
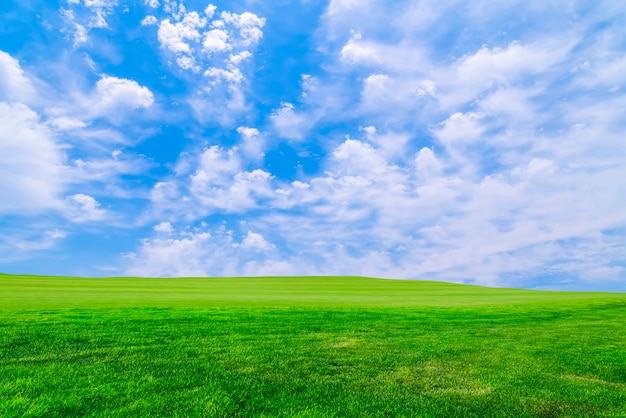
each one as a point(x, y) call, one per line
point(216, 49)
point(196, 38)
point(149, 21)
point(203, 252)
point(39, 143)
point(218, 183)
point(375, 213)
point(487, 163)
point(175, 36)
point(357, 52)
point(14, 84)
point(33, 165)
point(114, 96)
point(183, 256)
point(255, 241)
point(249, 26)
point(215, 40)
point(491, 155)
point(357, 157)
point(164, 227)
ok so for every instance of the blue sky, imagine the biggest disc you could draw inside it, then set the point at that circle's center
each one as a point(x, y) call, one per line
point(466, 141)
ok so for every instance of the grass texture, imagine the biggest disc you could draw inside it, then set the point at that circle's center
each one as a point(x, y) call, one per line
point(306, 347)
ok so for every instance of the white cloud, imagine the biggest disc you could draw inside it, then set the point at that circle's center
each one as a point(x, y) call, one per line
point(84, 208)
point(210, 10)
point(512, 103)
point(291, 124)
point(173, 257)
point(82, 18)
point(506, 64)
point(252, 142)
point(193, 38)
point(187, 63)
point(218, 49)
point(200, 252)
point(113, 97)
point(255, 241)
point(149, 21)
point(427, 164)
point(342, 6)
point(14, 84)
point(152, 3)
point(215, 40)
point(16, 244)
point(376, 88)
point(461, 128)
point(356, 51)
point(33, 165)
point(216, 166)
point(35, 143)
point(427, 88)
point(488, 67)
point(217, 183)
point(493, 154)
point(106, 171)
point(164, 227)
point(358, 157)
point(232, 76)
point(66, 123)
point(390, 144)
point(425, 223)
point(241, 193)
point(237, 59)
point(174, 36)
point(249, 26)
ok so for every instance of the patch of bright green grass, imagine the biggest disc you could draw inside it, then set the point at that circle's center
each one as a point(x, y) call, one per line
point(40, 292)
point(308, 347)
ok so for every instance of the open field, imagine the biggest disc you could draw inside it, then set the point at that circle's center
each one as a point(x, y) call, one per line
point(306, 347)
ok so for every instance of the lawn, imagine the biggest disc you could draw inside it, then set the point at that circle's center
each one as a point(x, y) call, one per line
point(314, 347)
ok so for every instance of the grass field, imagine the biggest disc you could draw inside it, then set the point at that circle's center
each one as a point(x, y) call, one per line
point(308, 347)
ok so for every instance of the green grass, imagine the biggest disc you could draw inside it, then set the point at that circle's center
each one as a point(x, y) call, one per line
point(314, 347)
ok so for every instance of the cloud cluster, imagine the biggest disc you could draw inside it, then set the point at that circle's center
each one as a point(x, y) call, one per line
point(211, 49)
point(33, 165)
point(216, 45)
point(423, 219)
point(215, 180)
point(57, 151)
point(203, 251)
point(471, 142)
point(495, 165)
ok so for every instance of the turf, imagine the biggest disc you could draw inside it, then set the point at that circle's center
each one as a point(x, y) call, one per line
point(313, 347)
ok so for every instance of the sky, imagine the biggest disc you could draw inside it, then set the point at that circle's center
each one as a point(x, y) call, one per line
point(471, 141)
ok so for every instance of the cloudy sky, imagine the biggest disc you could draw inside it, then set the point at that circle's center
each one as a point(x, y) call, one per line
point(468, 141)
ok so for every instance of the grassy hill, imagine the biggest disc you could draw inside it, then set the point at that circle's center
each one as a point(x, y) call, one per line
point(309, 346)
point(20, 292)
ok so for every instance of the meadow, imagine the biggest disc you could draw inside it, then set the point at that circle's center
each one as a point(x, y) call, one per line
point(306, 347)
